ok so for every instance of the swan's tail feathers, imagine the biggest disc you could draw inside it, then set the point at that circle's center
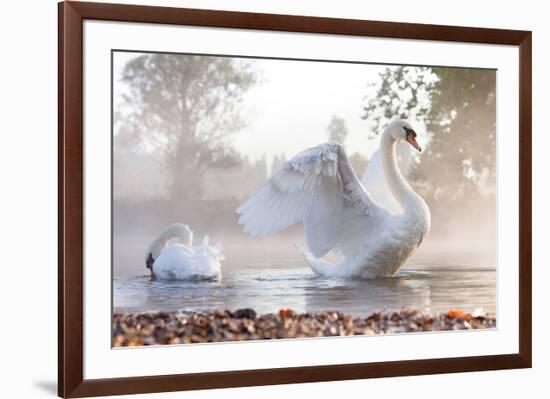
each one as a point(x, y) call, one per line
point(218, 250)
point(215, 251)
point(319, 266)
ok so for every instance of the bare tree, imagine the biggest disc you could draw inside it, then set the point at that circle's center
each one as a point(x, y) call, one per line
point(182, 110)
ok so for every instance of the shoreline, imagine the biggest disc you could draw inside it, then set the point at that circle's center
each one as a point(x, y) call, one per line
point(186, 327)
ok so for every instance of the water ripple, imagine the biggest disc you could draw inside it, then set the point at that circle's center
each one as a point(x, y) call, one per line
point(269, 289)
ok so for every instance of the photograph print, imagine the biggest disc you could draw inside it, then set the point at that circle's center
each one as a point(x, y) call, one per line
point(261, 198)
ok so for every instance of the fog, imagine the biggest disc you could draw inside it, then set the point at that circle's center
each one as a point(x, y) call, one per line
point(194, 136)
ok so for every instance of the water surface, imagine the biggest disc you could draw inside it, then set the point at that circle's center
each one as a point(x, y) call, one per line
point(268, 289)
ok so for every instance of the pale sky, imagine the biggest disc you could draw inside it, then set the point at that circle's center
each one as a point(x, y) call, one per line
point(292, 106)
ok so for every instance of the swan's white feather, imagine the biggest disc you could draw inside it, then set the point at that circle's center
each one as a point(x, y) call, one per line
point(175, 258)
point(319, 187)
point(180, 262)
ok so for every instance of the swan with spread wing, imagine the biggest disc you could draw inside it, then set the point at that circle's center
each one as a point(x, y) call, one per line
point(319, 187)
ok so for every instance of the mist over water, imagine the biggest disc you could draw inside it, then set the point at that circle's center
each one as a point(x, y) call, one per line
point(268, 275)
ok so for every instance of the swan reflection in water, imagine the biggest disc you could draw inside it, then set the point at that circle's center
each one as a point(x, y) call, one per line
point(363, 297)
point(268, 289)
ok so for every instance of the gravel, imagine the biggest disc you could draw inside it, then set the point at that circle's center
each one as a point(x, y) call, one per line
point(182, 327)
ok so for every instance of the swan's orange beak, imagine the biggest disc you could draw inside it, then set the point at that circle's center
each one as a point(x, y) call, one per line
point(411, 139)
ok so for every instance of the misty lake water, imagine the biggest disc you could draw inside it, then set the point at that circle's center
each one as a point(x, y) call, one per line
point(426, 283)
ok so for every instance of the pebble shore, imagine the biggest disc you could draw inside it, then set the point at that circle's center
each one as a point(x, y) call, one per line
point(165, 328)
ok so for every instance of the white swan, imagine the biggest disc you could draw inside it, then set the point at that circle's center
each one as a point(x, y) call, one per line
point(171, 256)
point(319, 187)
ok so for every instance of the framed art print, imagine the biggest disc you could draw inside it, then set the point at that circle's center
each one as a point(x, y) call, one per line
point(281, 199)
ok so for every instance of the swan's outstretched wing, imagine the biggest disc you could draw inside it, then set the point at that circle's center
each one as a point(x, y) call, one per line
point(317, 186)
point(375, 183)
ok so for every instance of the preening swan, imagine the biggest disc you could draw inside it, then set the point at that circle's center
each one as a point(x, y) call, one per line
point(319, 187)
point(172, 256)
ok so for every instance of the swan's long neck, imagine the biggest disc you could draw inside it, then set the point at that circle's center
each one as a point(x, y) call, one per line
point(179, 231)
point(398, 186)
point(174, 231)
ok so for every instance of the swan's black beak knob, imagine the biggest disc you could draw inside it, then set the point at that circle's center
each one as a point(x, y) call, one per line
point(149, 262)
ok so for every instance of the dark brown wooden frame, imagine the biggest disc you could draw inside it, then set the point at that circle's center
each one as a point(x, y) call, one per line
point(70, 246)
